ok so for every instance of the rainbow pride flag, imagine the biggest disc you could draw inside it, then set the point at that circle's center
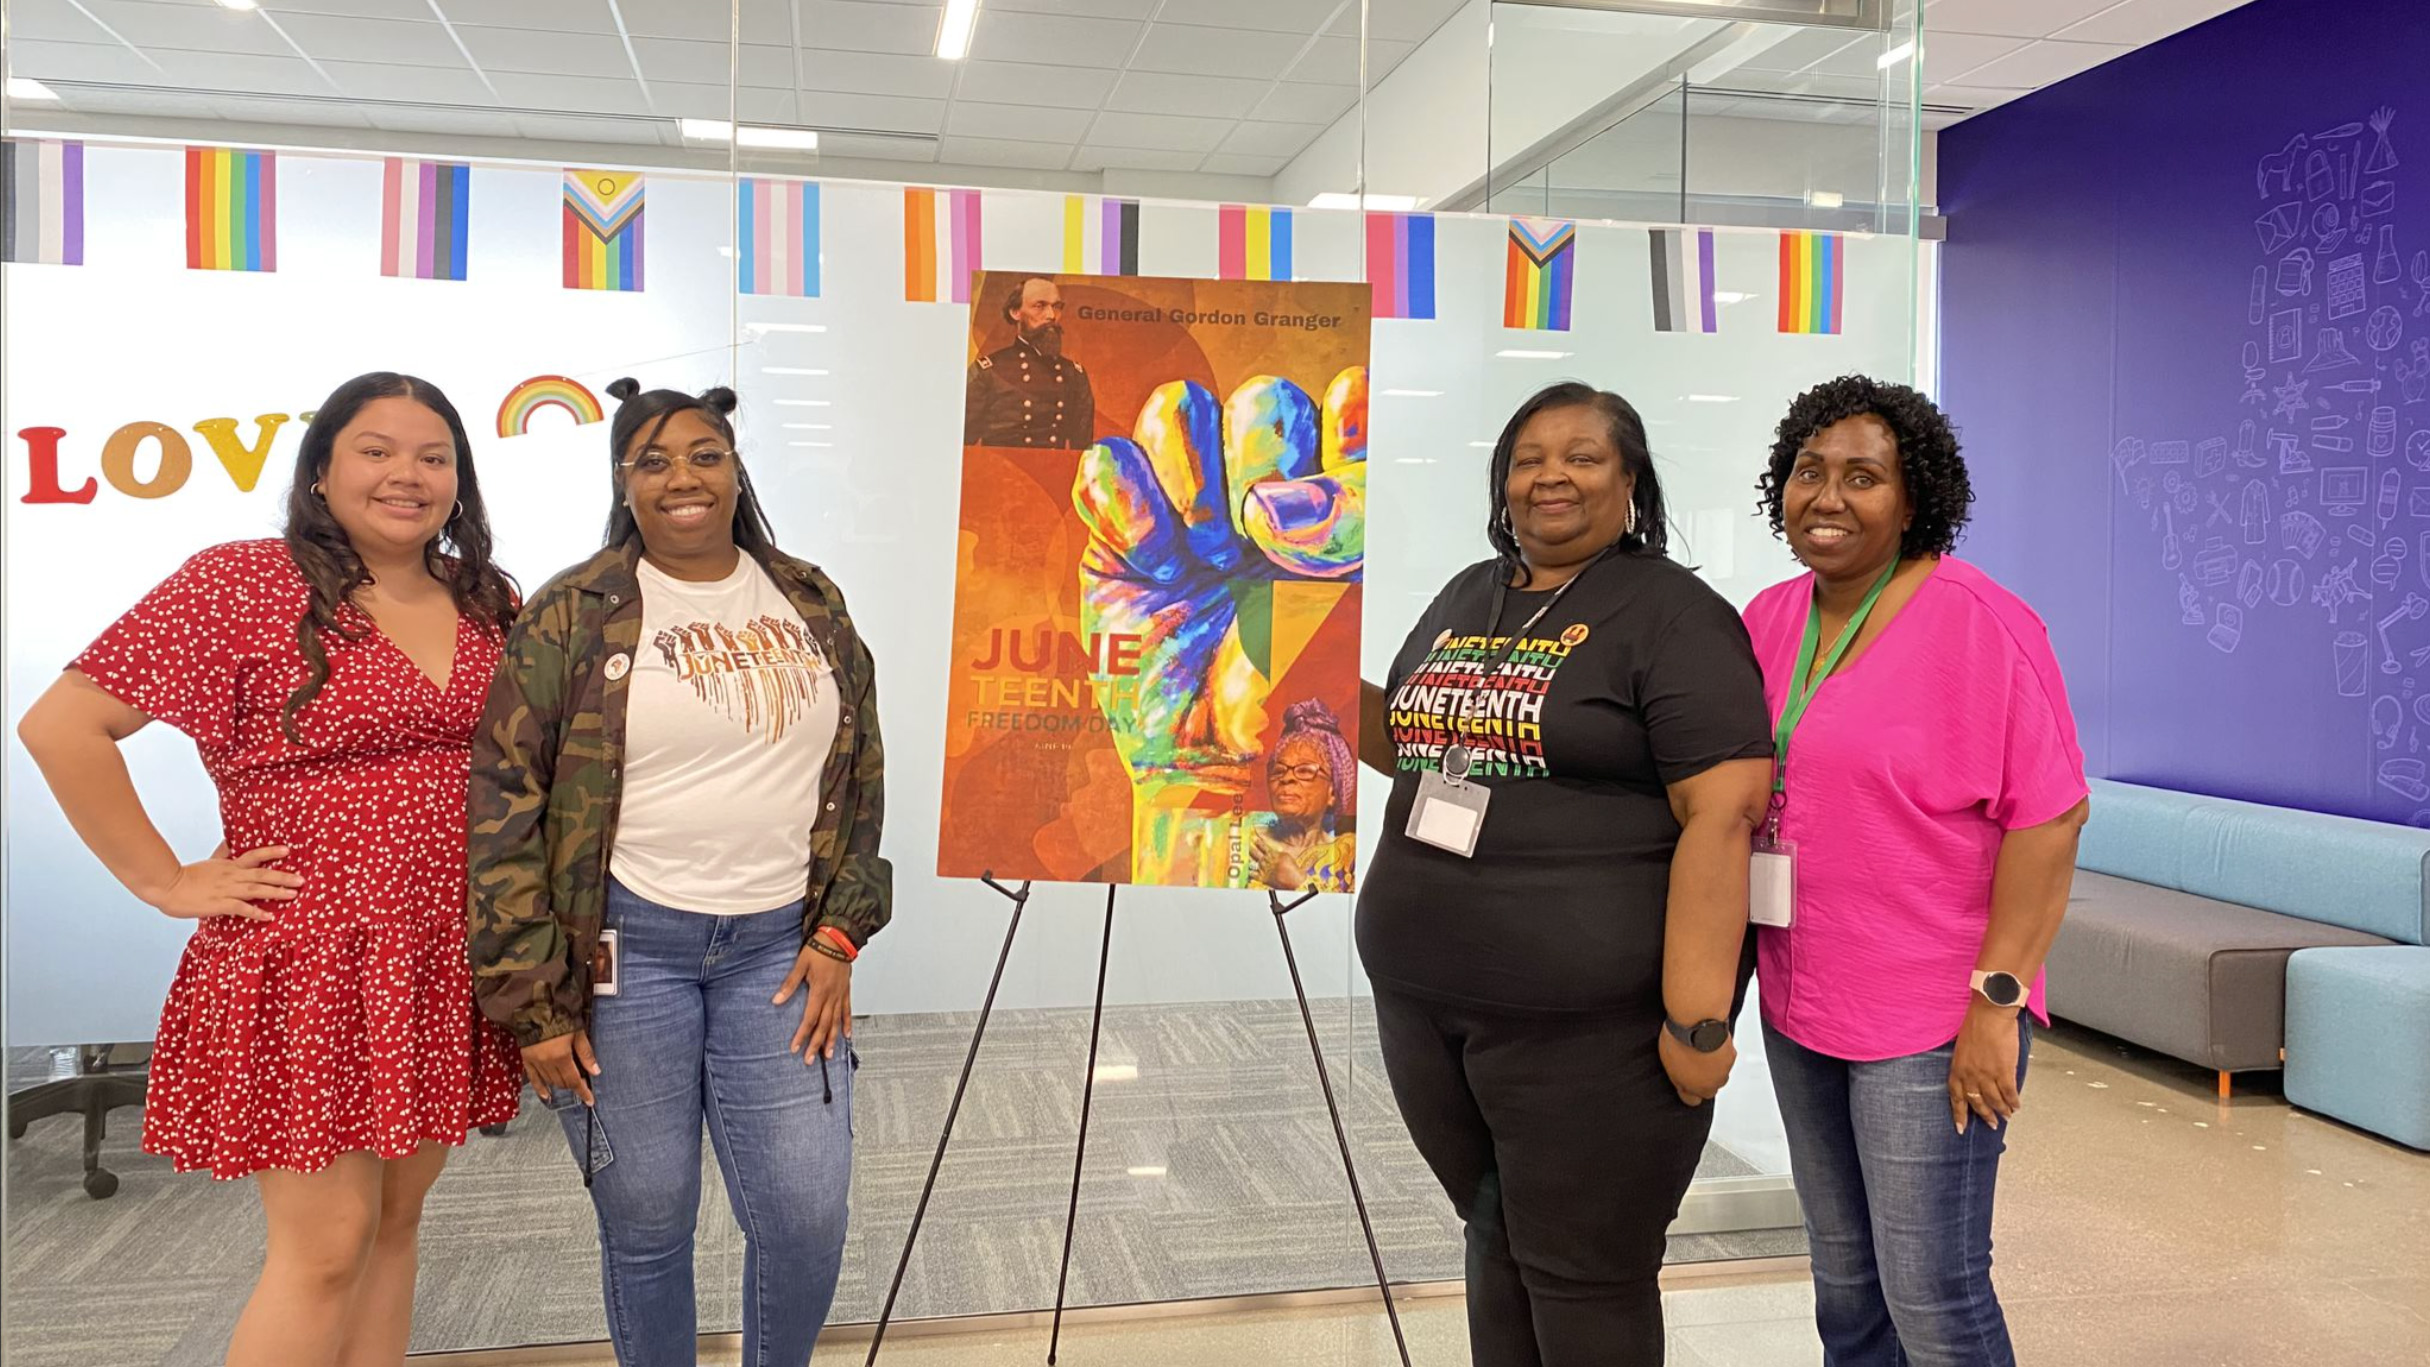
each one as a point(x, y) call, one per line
point(231, 210)
point(43, 219)
point(1253, 243)
point(1400, 263)
point(603, 230)
point(1543, 265)
point(1100, 236)
point(425, 207)
point(1813, 274)
point(940, 245)
point(776, 237)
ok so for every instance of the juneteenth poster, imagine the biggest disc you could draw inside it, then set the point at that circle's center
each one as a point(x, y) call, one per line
point(1156, 600)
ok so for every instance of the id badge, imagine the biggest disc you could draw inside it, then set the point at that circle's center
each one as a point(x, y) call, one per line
point(604, 964)
point(1448, 814)
point(1772, 884)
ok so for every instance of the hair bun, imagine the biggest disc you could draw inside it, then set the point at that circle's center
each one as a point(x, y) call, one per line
point(720, 400)
point(622, 390)
point(1311, 715)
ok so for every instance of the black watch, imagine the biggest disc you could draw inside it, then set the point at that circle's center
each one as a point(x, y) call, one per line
point(1704, 1037)
point(2000, 988)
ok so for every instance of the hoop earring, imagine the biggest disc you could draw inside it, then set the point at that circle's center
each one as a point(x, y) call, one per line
point(1631, 528)
point(459, 512)
point(316, 491)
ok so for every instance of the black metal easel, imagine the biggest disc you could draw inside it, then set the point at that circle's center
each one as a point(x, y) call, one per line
point(1341, 1135)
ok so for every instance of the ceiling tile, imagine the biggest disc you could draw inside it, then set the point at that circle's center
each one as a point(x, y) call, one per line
point(1054, 39)
point(1034, 156)
point(1972, 96)
point(1086, 9)
point(877, 149)
point(51, 21)
point(1272, 139)
point(858, 26)
point(1802, 49)
point(1204, 51)
point(762, 22)
point(196, 28)
point(878, 73)
point(78, 62)
point(1948, 56)
point(1292, 102)
point(2040, 64)
point(2008, 18)
point(1026, 83)
point(2148, 21)
point(1211, 97)
point(1396, 21)
point(587, 94)
point(1018, 122)
point(553, 16)
point(1161, 132)
point(372, 40)
point(1133, 159)
point(1334, 61)
point(421, 84)
point(546, 54)
point(1233, 164)
point(1301, 17)
point(882, 113)
point(704, 63)
point(239, 74)
point(687, 100)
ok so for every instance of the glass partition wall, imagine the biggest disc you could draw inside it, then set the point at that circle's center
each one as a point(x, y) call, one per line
point(163, 336)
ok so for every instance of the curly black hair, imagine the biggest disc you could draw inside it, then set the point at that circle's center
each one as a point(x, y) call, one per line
point(1928, 460)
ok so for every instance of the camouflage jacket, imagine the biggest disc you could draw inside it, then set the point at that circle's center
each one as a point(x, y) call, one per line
point(547, 766)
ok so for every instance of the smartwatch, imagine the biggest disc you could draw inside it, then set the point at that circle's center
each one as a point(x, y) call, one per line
point(1999, 988)
point(1704, 1037)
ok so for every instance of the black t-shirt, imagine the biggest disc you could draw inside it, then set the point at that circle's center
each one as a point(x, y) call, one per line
point(1639, 677)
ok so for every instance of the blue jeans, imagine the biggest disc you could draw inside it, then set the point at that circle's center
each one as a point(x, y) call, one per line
point(1898, 1206)
point(693, 1035)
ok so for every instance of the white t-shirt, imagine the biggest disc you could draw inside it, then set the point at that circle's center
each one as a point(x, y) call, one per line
point(729, 717)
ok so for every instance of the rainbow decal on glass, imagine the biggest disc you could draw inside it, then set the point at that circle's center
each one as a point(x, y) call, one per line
point(231, 210)
point(1543, 265)
point(603, 230)
point(425, 208)
point(940, 244)
point(1253, 243)
point(1400, 262)
point(544, 391)
point(1813, 271)
point(1100, 236)
point(776, 237)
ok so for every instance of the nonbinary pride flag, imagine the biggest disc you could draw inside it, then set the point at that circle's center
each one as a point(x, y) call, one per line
point(1100, 236)
point(231, 210)
point(1253, 243)
point(1543, 265)
point(776, 237)
point(424, 209)
point(603, 230)
point(1683, 280)
point(1400, 263)
point(43, 183)
point(940, 244)
point(1813, 270)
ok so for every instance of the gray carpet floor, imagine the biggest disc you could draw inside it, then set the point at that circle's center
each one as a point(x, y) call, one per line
point(1211, 1172)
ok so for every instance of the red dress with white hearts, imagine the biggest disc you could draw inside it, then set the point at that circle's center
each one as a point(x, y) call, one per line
point(346, 1023)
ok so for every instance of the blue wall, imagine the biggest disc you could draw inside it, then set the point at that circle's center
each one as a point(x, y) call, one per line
point(2186, 339)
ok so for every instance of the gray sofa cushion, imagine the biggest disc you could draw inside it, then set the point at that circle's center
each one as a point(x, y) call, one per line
point(2200, 980)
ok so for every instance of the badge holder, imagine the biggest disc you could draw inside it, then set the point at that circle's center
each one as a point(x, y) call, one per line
point(1449, 812)
point(1772, 876)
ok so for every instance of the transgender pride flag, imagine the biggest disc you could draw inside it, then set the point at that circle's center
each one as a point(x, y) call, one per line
point(776, 237)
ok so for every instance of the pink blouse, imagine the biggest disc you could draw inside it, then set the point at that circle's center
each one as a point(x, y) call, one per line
point(1914, 759)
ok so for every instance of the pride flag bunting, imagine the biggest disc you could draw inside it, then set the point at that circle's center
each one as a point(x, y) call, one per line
point(1683, 280)
point(1400, 264)
point(1813, 272)
point(1100, 236)
point(425, 207)
point(1253, 243)
point(1543, 265)
point(603, 230)
point(940, 245)
point(776, 237)
point(43, 183)
point(231, 210)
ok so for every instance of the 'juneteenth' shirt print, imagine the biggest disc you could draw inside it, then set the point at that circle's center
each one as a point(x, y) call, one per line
point(762, 673)
point(1499, 716)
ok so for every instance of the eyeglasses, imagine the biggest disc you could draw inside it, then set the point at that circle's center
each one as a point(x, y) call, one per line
point(656, 463)
point(1304, 773)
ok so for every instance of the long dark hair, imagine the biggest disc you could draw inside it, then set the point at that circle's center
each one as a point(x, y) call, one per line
point(640, 416)
point(459, 556)
point(1652, 535)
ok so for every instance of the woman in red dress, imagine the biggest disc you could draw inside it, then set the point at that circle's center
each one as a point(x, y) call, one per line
point(320, 1034)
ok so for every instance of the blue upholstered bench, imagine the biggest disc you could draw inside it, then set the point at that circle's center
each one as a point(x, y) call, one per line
point(2197, 921)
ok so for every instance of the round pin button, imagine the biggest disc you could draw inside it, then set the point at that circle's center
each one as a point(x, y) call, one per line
point(619, 665)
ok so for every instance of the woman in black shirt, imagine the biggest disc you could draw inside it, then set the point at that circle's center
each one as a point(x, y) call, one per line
point(1554, 1002)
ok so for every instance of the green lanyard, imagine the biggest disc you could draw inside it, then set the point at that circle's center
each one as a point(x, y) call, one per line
point(1804, 684)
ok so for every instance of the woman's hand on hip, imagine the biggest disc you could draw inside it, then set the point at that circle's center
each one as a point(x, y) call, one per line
point(1983, 1067)
point(1697, 1077)
point(827, 1011)
point(221, 886)
point(562, 1064)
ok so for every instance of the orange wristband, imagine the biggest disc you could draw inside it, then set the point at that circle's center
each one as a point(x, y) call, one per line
point(842, 942)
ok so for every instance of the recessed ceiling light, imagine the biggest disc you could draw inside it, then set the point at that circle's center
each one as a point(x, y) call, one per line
point(953, 35)
point(1825, 199)
point(789, 139)
point(1338, 199)
point(705, 130)
point(1516, 354)
point(240, 6)
point(27, 88)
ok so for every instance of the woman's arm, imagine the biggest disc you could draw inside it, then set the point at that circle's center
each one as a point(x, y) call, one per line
point(2029, 886)
point(72, 731)
point(1705, 922)
point(523, 968)
point(860, 899)
point(1374, 732)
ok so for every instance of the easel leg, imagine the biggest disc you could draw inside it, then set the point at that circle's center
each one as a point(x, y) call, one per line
point(1020, 901)
point(1088, 1091)
point(1341, 1135)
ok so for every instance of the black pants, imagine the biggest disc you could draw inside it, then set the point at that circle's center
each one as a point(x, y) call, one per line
point(1564, 1147)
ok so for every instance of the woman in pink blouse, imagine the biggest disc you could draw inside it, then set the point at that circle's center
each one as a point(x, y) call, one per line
point(1922, 837)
